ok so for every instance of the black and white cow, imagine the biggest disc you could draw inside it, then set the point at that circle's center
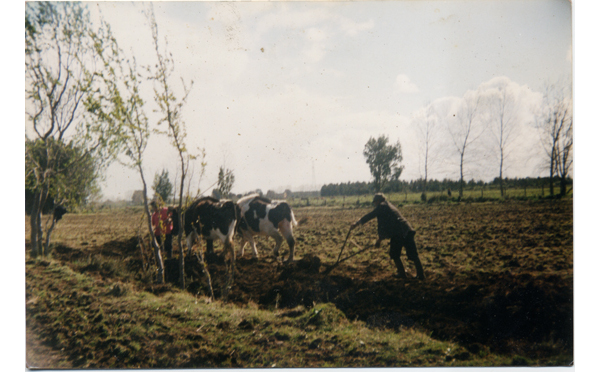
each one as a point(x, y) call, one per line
point(263, 216)
point(211, 219)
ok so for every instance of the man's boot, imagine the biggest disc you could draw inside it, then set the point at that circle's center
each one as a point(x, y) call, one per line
point(420, 273)
point(401, 273)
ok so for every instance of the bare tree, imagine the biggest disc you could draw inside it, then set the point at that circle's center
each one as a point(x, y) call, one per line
point(464, 128)
point(555, 124)
point(503, 121)
point(426, 123)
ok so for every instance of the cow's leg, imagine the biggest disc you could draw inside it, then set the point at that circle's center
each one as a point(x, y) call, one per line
point(247, 238)
point(252, 245)
point(210, 246)
point(278, 241)
point(286, 230)
point(229, 239)
point(228, 246)
point(244, 242)
point(191, 237)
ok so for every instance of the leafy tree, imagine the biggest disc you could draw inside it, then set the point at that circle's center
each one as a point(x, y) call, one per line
point(384, 160)
point(71, 180)
point(61, 70)
point(170, 107)
point(162, 185)
point(225, 182)
point(119, 104)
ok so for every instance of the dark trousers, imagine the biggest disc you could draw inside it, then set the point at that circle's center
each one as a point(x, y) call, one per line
point(396, 244)
point(168, 244)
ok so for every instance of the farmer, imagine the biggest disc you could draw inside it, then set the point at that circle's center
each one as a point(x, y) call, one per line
point(162, 226)
point(392, 225)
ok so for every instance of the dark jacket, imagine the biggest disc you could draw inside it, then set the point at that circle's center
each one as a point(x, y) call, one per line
point(389, 221)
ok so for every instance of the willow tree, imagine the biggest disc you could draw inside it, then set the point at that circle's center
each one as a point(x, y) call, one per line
point(61, 71)
point(119, 104)
point(171, 107)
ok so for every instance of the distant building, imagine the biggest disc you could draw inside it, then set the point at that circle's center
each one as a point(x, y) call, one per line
point(273, 195)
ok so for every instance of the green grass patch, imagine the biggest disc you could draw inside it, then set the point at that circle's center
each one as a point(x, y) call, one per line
point(99, 329)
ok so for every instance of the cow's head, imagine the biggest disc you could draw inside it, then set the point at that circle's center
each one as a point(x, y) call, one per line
point(59, 211)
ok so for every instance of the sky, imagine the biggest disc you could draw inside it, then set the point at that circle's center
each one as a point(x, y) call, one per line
point(286, 94)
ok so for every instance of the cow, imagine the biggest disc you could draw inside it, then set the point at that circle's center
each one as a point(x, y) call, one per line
point(59, 212)
point(211, 219)
point(263, 216)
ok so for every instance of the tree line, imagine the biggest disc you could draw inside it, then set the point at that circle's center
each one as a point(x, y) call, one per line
point(438, 186)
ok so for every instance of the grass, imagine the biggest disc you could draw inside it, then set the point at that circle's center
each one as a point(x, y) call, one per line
point(132, 329)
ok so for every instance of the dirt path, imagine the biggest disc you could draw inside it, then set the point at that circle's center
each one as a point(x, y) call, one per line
point(39, 355)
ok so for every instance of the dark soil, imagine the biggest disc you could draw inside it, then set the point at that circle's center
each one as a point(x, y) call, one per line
point(522, 306)
point(505, 313)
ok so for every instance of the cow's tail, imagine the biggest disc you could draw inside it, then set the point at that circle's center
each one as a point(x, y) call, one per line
point(293, 219)
point(231, 231)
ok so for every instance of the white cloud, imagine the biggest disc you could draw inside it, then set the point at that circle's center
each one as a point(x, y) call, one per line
point(352, 28)
point(404, 85)
point(316, 44)
point(327, 78)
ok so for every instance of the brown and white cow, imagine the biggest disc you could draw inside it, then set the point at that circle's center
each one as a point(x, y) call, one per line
point(263, 216)
point(211, 219)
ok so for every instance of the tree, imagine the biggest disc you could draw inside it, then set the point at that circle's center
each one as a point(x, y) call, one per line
point(119, 104)
point(61, 70)
point(71, 179)
point(225, 182)
point(555, 124)
point(464, 129)
point(384, 160)
point(170, 107)
point(504, 116)
point(426, 123)
point(162, 185)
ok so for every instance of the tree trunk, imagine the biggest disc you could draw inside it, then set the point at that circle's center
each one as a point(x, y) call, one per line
point(460, 189)
point(180, 246)
point(48, 233)
point(552, 165)
point(159, 261)
point(501, 181)
point(33, 223)
point(181, 222)
point(563, 186)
